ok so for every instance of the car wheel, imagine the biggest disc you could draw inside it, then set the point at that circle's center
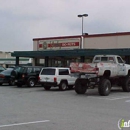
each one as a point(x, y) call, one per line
point(11, 82)
point(47, 87)
point(31, 82)
point(63, 85)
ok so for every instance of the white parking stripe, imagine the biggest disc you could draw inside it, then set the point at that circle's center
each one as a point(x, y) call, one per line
point(111, 98)
point(127, 101)
point(119, 98)
point(25, 123)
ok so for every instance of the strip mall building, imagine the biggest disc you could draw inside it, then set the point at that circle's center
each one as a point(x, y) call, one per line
point(60, 51)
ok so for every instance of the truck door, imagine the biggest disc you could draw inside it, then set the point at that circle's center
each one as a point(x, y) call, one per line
point(121, 67)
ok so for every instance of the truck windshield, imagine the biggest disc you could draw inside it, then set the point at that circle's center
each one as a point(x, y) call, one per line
point(120, 60)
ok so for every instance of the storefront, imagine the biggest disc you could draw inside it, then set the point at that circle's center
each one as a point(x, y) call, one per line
point(60, 51)
point(7, 62)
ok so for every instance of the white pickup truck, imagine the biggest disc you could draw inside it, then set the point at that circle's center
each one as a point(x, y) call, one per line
point(104, 71)
point(56, 77)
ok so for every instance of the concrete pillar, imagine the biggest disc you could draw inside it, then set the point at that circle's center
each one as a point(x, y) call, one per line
point(17, 61)
point(46, 61)
point(82, 58)
point(35, 62)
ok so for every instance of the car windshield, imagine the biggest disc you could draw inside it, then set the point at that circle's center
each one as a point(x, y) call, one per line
point(48, 71)
point(7, 71)
point(2, 68)
point(17, 68)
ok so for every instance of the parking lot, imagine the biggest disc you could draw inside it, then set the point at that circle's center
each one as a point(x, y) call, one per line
point(36, 109)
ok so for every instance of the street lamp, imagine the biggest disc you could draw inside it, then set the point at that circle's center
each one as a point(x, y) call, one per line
point(81, 16)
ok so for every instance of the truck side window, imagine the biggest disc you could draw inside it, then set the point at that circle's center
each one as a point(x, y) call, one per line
point(119, 60)
point(97, 59)
point(104, 58)
point(111, 59)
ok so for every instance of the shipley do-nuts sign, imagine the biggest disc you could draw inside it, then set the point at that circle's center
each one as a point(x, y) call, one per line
point(58, 44)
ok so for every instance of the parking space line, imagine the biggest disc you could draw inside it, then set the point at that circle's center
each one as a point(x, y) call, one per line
point(111, 98)
point(127, 101)
point(119, 98)
point(24, 123)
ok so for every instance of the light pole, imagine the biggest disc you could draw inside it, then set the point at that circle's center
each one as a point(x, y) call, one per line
point(81, 16)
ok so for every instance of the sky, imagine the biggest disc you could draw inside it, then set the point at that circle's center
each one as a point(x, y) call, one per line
point(23, 20)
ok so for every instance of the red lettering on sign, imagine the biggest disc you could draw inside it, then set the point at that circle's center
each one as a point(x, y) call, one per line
point(40, 45)
point(67, 44)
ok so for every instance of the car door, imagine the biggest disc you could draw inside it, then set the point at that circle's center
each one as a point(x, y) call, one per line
point(62, 74)
point(121, 67)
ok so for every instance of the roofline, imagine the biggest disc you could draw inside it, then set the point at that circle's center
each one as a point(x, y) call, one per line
point(61, 37)
point(79, 36)
point(109, 34)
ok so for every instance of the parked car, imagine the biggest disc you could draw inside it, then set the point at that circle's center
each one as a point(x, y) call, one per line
point(27, 75)
point(56, 77)
point(2, 68)
point(5, 77)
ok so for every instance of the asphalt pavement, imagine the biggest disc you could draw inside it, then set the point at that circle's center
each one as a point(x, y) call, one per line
point(37, 109)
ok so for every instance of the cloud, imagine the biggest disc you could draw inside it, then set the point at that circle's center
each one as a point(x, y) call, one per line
point(23, 20)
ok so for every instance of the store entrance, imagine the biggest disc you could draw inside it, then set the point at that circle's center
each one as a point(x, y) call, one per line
point(62, 61)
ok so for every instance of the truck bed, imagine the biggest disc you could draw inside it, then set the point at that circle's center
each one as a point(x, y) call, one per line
point(83, 67)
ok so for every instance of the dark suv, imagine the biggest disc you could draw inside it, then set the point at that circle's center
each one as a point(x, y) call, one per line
point(27, 75)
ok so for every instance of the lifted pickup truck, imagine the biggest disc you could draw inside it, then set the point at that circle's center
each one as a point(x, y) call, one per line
point(104, 71)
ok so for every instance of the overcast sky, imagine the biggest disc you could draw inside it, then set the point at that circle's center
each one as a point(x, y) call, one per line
point(23, 20)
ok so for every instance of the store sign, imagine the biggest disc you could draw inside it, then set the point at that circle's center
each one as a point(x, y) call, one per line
point(46, 45)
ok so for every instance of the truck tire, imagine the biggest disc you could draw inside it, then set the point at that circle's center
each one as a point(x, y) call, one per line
point(31, 82)
point(80, 86)
point(104, 87)
point(63, 85)
point(126, 85)
point(47, 87)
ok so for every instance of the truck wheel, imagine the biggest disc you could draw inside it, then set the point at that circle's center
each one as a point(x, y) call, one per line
point(31, 82)
point(47, 87)
point(63, 85)
point(80, 86)
point(104, 87)
point(126, 85)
